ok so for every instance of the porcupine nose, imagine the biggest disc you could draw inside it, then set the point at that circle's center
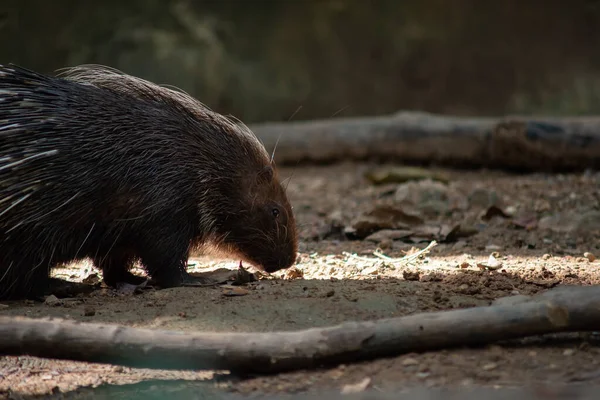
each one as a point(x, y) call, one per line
point(283, 260)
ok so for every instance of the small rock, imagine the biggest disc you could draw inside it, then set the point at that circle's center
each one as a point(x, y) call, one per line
point(568, 352)
point(432, 277)
point(357, 387)
point(386, 244)
point(525, 221)
point(493, 211)
point(89, 311)
point(483, 198)
point(409, 361)
point(430, 197)
point(589, 256)
point(510, 210)
point(572, 222)
point(546, 256)
point(91, 279)
point(46, 377)
point(465, 264)
point(52, 300)
point(330, 293)
point(410, 275)
point(381, 217)
point(293, 273)
point(492, 263)
point(453, 233)
point(489, 367)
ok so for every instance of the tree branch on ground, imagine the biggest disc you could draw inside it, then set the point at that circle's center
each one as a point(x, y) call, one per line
point(563, 309)
point(515, 143)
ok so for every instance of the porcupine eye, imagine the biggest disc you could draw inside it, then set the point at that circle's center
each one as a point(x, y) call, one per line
point(275, 212)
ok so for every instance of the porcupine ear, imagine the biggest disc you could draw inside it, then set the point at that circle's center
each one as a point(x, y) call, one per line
point(265, 175)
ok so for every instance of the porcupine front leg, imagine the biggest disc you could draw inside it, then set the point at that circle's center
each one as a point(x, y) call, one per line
point(115, 267)
point(165, 255)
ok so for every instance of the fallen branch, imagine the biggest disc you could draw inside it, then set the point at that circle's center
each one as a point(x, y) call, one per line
point(192, 390)
point(523, 143)
point(564, 309)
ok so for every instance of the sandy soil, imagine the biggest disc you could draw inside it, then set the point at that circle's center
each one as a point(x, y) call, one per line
point(542, 232)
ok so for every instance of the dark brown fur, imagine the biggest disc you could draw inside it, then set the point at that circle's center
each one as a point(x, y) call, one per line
point(103, 165)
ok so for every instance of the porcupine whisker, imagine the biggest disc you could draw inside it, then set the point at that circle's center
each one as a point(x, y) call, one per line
point(288, 180)
point(291, 175)
point(279, 137)
point(339, 111)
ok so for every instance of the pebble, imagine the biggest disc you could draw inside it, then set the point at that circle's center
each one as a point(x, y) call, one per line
point(52, 300)
point(89, 311)
point(357, 387)
point(568, 352)
point(589, 256)
point(409, 361)
point(489, 367)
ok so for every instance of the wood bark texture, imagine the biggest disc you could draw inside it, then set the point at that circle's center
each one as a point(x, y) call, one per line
point(563, 309)
point(510, 142)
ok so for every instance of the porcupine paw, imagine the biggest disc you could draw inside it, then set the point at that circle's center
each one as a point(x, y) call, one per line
point(124, 278)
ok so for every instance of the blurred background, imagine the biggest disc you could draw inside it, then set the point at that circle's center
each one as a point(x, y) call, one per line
point(262, 60)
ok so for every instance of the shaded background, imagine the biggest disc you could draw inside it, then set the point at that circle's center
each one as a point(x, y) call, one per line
point(262, 60)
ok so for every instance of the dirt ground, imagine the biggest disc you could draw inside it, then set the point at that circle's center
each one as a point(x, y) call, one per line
point(497, 235)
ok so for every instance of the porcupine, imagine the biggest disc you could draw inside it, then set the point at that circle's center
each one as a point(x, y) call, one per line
point(99, 164)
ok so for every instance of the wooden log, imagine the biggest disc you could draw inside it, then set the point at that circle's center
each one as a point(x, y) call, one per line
point(193, 390)
point(563, 309)
point(511, 142)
